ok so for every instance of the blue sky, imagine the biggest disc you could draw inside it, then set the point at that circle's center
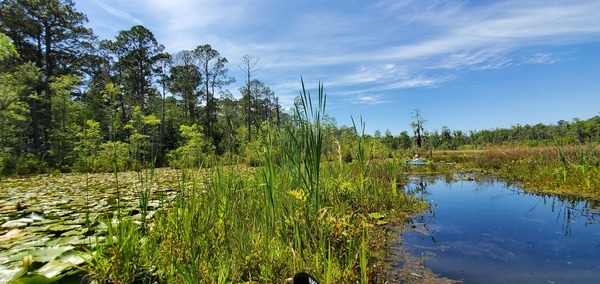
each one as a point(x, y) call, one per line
point(467, 65)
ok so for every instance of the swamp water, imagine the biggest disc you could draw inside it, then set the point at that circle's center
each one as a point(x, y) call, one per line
point(491, 232)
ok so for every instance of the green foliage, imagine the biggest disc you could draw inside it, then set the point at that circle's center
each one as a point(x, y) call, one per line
point(242, 224)
point(184, 81)
point(111, 154)
point(254, 151)
point(66, 114)
point(195, 151)
point(309, 139)
point(13, 121)
point(118, 91)
point(137, 51)
point(118, 256)
point(16, 81)
point(7, 48)
point(417, 126)
point(87, 146)
point(562, 169)
point(142, 127)
point(23, 165)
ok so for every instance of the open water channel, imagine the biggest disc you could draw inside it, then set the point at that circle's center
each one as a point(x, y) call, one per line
point(485, 231)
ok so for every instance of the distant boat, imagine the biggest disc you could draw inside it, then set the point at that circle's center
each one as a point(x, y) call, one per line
point(416, 163)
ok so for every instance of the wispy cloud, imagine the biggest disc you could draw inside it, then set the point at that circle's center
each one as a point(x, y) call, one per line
point(374, 47)
point(368, 100)
point(118, 11)
point(542, 58)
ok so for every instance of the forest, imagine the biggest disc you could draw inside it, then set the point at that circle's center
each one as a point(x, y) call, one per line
point(72, 102)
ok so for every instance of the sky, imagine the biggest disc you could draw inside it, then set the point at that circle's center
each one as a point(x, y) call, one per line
point(466, 65)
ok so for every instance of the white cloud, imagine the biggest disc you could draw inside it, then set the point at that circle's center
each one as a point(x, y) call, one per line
point(375, 48)
point(117, 10)
point(417, 81)
point(194, 16)
point(542, 58)
point(368, 100)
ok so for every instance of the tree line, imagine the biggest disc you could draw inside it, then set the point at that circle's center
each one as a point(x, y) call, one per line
point(70, 101)
point(575, 132)
point(61, 86)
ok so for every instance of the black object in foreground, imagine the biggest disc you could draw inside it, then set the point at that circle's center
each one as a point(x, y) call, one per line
point(304, 278)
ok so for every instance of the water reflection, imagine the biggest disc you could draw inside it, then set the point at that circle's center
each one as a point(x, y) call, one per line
point(482, 230)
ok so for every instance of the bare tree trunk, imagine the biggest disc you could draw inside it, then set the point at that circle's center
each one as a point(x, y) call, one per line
point(277, 111)
point(47, 90)
point(249, 110)
point(35, 125)
point(248, 67)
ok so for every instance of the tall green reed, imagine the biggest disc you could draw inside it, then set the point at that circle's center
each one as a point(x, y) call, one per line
point(269, 178)
point(563, 168)
point(310, 141)
point(363, 259)
point(269, 175)
point(361, 154)
point(302, 149)
point(144, 190)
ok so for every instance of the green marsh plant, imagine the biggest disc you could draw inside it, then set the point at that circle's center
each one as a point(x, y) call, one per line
point(309, 139)
point(293, 212)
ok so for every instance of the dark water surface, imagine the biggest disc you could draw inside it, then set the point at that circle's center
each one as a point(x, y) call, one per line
point(489, 232)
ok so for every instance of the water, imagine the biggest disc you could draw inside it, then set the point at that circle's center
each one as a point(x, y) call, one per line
point(490, 232)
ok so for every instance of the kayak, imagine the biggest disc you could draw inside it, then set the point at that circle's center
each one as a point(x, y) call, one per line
point(416, 163)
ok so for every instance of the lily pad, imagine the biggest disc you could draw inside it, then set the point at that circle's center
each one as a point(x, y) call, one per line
point(19, 223)
point(73, 257)
point(31, 243)
point(91, 241)
point(35, 279)
point(7, 273)
point(41, 255)
point(36, 216)
point(63, 228)
point(78, 232)
point(47, 216)
point(12, 234)
point(54, 268)
point(62, 241)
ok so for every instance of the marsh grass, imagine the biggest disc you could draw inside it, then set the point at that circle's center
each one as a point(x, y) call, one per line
point(562, 169)
point(296, 212)
point(144, 188)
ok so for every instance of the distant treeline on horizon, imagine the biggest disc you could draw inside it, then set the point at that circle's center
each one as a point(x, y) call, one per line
point(576, 131)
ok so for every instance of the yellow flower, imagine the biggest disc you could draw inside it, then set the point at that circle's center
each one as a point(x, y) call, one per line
point(298, 194)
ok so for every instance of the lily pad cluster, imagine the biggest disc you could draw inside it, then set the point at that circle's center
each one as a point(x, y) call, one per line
point(50, 224)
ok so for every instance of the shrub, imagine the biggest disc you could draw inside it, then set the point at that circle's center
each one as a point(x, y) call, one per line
point(25, 164)
point(111, 154)
point(196, 150)
point(87, 147)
